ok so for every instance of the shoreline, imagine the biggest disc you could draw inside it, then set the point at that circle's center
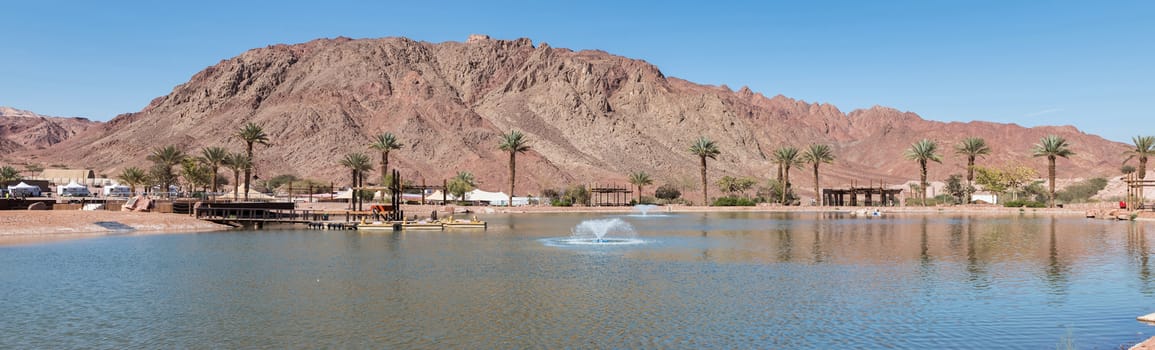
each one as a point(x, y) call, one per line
point(40, 226)
point(30, 227)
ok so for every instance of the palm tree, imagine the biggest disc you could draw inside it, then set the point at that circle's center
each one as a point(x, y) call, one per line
point(358, 164)
point(1144, 147)
point(9, 174)
point(165, 158)
point(640, 179)
point(251, 133)
point(195, 174)
point(384, 143)
point(815, 155)
point(133, 176)
point(923, 151)
point(238, 163)
point(786, 157)
point(460, 184)
point(972, 147)
point(514, 142)
point(704, 148)
point(214, 158)
point(1052, 147)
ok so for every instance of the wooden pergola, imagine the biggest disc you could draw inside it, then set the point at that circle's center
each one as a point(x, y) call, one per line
point(1135, 189)
point(849, 196)
point(609, 195)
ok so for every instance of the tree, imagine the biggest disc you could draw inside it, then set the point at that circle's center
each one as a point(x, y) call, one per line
point(238, 163)
point(214, 157)
point(385, 143)
point(640, 179)
point(1144, 147)
point(972, 147)
point(358, 163)
point(727, 184)
point(251, 134)
point(164, 158)
point(704, 148)
point(133, 176)
point(9, 174)
point(1127, 169)
point(921, 152)
point(961, 192)
point(460, 184)
point(815, 155)
point(667, 192)
point(33, 168)
point(195, 174)
point(786, 158)
point(1052, 147)
point(513, 142)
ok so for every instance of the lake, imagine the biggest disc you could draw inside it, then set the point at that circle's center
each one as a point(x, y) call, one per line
point(691, 280)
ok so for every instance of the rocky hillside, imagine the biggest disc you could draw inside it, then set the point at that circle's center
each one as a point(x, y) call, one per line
point(22, 130)
point(592, 117)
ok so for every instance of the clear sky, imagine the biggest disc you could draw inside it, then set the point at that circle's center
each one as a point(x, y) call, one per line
point(1090, 64)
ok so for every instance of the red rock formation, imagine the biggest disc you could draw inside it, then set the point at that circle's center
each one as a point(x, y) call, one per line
point(591, 117)
point(22, 130)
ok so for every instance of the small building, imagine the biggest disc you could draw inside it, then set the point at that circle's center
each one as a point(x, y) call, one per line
point(117, 191)
point(64, 176)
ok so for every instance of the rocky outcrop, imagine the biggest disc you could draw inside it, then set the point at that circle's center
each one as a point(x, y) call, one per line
point(24, 130)
point(592, 117)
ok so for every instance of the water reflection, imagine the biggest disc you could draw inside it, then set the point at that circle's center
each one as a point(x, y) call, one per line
point(735, 280)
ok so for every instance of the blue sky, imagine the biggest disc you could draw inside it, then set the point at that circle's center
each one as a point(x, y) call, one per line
point(1083, 63)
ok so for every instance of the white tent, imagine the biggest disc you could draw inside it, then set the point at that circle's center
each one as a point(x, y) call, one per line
point(117, 191)
point(254, 195)
point(24, 190)
point(73, 189)
point(488, 197)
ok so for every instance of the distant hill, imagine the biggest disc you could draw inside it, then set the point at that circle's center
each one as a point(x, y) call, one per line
point(22, 130)
point(592, 117)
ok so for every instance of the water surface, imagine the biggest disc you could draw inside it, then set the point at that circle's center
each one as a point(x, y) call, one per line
point(719, 280)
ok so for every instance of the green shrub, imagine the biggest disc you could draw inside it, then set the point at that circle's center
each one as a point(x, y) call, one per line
point(1021, 203)
point(733, 202)
point(667, 192)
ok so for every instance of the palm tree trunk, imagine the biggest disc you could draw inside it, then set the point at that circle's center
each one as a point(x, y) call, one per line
point(785, 182)
point(1142, 167)
point(817, 194)
point(353, 191)
point(1051, 176)
point(384, 166)
point(512, 175)
point(705, 198)
point(922, 179)
point(248, 170)
point(1142, 175)
point(970, 176)
point(215, 180)
point(236, 184)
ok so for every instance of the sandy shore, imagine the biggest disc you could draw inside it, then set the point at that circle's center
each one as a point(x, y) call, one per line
point(25, 226)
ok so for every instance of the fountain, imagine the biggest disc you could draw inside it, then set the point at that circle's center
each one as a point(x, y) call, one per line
point(612, 231)
point(644, 208)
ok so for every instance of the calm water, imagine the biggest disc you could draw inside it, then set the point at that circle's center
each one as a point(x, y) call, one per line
point(725, 280)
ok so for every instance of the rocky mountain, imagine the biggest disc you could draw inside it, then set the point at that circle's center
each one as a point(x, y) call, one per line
point(22, 130)
point(592, 117)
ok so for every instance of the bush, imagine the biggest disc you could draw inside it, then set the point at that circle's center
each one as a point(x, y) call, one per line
point(667, 192)
point(1021, 203)
point(733, 202)
point(1081, 191)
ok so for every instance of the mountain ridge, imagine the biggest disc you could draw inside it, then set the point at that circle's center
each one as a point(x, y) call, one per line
point(592, 117)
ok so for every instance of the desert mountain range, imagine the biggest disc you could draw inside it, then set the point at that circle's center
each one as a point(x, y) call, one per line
point(22, 130)
point(592, 117)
